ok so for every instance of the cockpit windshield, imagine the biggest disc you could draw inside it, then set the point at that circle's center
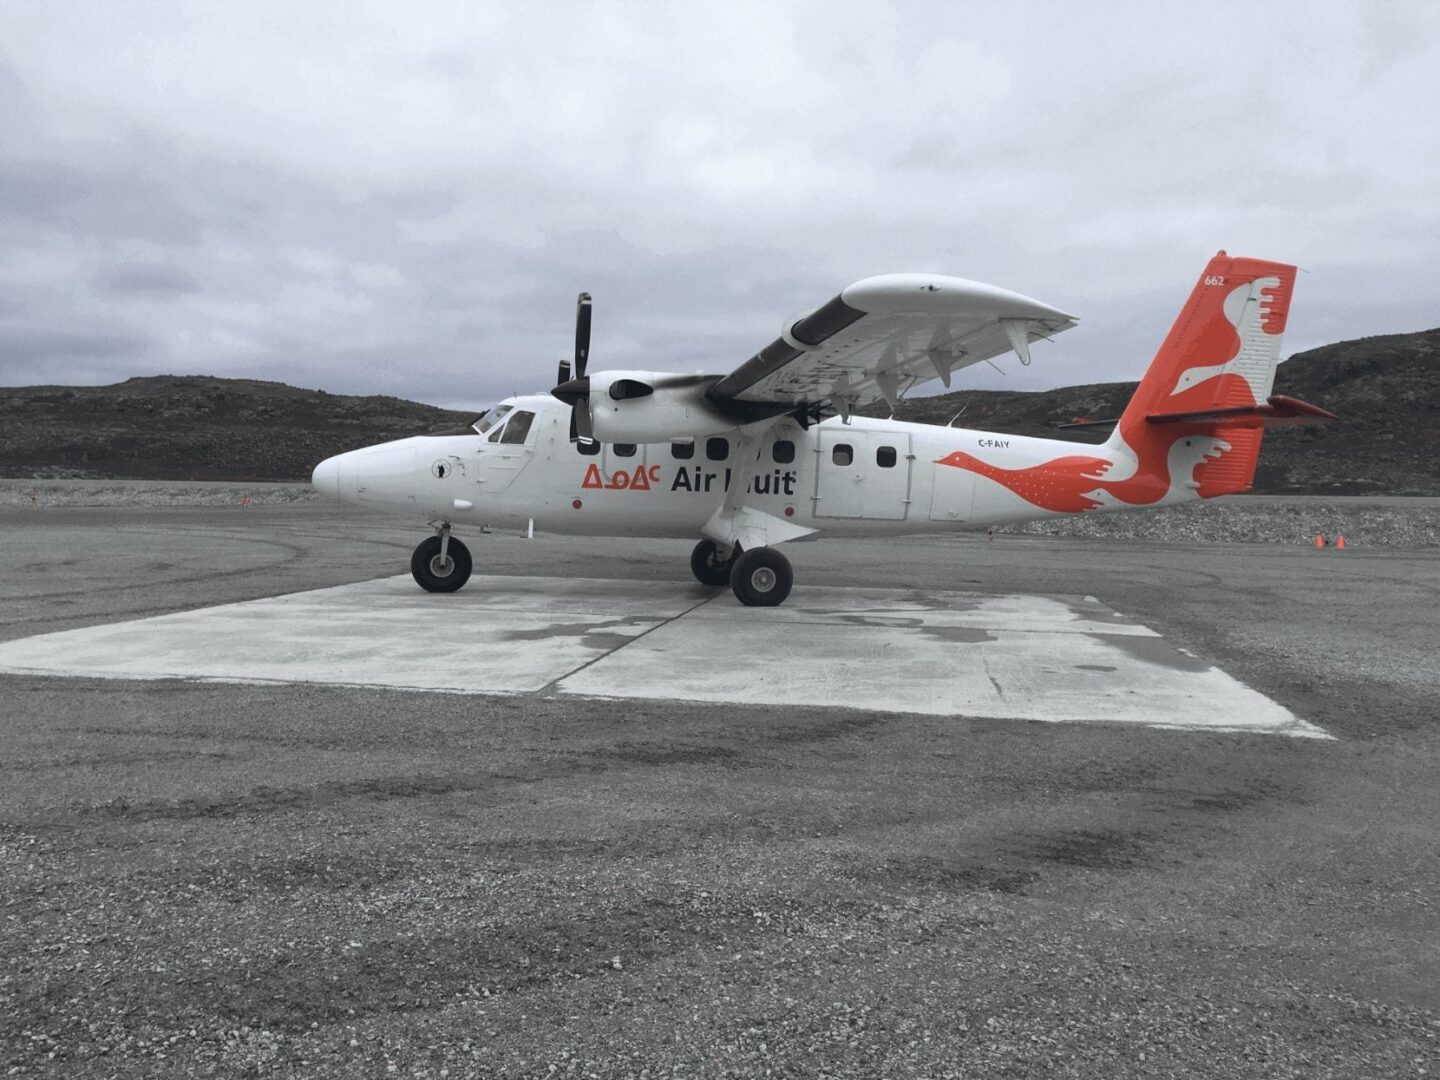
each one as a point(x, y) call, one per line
point(491, 419)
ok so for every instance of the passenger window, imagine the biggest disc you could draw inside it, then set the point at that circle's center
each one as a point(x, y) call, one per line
point(842, 454)
point(589, 449)
point(623, 449)
point(682, 451)
point(717, 448)
point(783, 452)
point(885, 457)
point(518, 428)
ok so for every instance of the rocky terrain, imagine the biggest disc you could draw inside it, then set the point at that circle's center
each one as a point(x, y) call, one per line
point(1386, 389)
point(195, 427)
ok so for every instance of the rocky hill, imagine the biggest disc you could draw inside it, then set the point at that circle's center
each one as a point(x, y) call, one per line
point(195, 427)
point(1386, 389)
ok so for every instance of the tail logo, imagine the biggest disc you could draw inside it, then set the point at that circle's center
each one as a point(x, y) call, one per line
point(1254, 312)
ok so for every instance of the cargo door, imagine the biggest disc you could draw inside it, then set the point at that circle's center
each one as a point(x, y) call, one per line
point(862, 474)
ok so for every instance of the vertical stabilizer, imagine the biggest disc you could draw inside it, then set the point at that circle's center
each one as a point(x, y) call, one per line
point(1221, 353)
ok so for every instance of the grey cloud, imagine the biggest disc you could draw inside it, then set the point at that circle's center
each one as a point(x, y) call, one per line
point(32, 344)
point(15, 105)
point(36, 348)
point(419, 204)
point(116, 200)
point(156, 281)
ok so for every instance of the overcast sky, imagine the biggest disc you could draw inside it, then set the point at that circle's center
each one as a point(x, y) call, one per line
point(405, 199)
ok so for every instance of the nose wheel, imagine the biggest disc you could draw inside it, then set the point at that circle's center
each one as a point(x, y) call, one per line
point(441, 563)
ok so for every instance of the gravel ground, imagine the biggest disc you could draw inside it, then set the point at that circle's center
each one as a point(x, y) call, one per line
point(1363, 521)
point(53, 494)
point(240, 881)
point(1259, 519)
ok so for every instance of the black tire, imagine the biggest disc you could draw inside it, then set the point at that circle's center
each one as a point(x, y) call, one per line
point(708, 567)
point(430, 575)
point(761, 577)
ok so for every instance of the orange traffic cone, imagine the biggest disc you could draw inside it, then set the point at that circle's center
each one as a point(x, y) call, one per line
point(1340, 542)
point(1319, 541)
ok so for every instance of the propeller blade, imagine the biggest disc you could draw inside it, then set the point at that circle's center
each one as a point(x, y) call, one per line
point(572, 386)
point(582, 334)
point(580, 427)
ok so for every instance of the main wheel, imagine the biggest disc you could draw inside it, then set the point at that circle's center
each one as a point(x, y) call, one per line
point(433, 575)
point(761, 577)
point(707, 565)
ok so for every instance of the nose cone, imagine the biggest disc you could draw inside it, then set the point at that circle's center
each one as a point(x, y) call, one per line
point(572, 390)
point(326, 477)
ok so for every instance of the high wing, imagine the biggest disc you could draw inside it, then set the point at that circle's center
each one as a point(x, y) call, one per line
point(884, 335)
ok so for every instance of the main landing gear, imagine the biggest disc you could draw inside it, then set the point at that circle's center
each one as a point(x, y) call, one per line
point(760, 577)
point(441, 563)
point(711, 564)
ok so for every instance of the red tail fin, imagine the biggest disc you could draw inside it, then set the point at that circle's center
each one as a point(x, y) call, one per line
point(1220, 354)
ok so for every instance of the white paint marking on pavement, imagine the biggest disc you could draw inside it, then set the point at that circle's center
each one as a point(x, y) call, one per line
point(504, 637)
point(1054, 658)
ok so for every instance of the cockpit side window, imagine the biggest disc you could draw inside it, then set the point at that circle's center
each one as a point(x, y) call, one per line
point(517, 429)
point(487, 422)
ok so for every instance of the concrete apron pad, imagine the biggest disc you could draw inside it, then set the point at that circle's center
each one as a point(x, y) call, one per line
point(1028, 657)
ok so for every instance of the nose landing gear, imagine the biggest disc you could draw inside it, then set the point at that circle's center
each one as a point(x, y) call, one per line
point(440, 562)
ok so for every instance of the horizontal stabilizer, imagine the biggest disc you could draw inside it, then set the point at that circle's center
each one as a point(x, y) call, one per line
point(1083, 423)
point(1278, 411)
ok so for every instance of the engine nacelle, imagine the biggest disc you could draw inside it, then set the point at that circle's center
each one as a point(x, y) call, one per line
point(653, 406)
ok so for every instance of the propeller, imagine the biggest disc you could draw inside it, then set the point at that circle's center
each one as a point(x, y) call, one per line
point(572, 386)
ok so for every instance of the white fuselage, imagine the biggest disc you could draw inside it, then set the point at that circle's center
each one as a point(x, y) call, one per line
point(865, 477)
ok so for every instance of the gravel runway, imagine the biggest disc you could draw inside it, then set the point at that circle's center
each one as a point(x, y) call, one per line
point(232, 880)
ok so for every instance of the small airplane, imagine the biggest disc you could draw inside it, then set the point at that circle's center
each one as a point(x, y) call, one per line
point(775, 451)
